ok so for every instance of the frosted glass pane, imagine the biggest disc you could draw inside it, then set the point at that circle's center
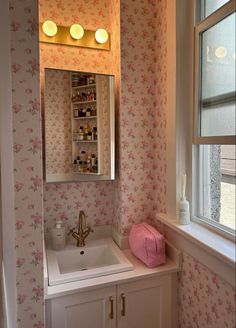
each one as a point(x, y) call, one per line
point(218, 79)
point(218, 121)
point(212, 5)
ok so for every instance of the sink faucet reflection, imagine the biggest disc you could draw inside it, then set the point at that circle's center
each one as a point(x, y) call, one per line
point(83, 230)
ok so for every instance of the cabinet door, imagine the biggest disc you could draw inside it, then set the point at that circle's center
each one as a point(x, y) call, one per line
point(85, 310)
point(144, 303)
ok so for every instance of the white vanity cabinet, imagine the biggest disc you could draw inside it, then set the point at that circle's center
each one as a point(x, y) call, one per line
point(143, 303)
point(91, 309)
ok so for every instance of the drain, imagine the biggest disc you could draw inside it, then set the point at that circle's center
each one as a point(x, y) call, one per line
point(83, 269)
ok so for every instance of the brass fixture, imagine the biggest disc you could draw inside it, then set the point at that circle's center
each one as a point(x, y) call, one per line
point(83, 230)
point(123, 304)
point(62, 35)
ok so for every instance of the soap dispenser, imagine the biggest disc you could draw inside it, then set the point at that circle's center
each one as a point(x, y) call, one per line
point(58, 236)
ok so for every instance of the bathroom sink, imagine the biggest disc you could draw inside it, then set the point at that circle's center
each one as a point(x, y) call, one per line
point(98, 258)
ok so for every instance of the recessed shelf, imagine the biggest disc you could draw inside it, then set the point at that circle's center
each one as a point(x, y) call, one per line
point(84, 102)
point(84, 117)
point(84, 86)
point(86, 173)
point(85, 140)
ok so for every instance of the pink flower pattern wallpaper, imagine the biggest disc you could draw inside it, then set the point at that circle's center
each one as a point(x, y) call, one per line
point(57, 113)
point(94, 198)
point(141, 140)
point(27, 164)
point(205, 300)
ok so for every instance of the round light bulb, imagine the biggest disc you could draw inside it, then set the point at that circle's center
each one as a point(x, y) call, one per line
point(101, 35)
point(49, 28)
point(220, 52)
point(76, 31)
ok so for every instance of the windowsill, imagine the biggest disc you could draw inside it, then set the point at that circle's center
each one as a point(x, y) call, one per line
point(210, 241)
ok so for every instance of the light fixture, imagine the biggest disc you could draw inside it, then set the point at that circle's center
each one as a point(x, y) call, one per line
point(73, 35)
point(220, 52)
point(76, 31)
point(49, 28)
point(101, 35)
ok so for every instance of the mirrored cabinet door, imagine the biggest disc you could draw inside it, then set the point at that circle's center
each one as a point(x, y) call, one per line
point(79, 126)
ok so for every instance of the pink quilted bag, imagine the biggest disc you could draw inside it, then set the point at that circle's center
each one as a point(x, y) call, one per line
point(147, 244)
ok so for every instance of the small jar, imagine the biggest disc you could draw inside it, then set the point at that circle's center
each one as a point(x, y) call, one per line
point(81, 133)
point(88, 112)
point(76, 112)
point(93, 160)
point(89, 136)
point(83, 156)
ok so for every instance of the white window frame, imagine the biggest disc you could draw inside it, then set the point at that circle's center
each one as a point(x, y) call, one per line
point(205, 24)
point(199, 161)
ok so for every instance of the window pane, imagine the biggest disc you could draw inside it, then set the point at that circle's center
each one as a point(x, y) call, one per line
point(218, 79)
point(212, 5)
point(217, 183)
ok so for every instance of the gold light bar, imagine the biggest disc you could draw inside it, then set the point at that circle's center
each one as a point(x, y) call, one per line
point(63, 37)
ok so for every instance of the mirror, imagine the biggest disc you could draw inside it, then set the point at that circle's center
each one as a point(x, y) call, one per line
point(79, 126)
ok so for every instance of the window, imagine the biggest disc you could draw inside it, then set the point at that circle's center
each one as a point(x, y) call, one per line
point(214, 115)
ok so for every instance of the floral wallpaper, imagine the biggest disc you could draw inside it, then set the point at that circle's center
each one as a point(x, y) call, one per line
point(64, 201)
point(27, 163)
point(57, 115)
point(205, 300)
point(94, 198)
point(142, 143)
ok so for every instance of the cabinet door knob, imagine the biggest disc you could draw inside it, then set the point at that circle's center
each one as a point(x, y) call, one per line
point(111, 315)
point(123, 305)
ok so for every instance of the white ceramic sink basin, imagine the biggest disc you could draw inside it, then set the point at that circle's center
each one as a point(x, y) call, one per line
point(98, 258)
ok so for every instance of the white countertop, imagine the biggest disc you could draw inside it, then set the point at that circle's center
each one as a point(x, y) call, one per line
point(140, 271)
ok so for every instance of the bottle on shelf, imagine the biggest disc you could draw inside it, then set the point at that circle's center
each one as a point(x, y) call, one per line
point(83, 97)
point(81, 133)
point(93, 111)
point(75, 135)
point(83, 156)
point(94, 133)
point(76, 112)
point(75, 166)
point(89, 136)
point(88, 112)
point(93, 160)
point(87, 129)
point(78, 96)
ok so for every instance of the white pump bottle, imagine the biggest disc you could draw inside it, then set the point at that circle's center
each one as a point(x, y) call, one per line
point(183, 205)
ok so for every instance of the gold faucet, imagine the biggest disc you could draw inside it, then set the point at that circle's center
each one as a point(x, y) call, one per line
point(83, 230)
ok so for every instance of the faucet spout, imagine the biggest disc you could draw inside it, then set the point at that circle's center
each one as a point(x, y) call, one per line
point(83, 230)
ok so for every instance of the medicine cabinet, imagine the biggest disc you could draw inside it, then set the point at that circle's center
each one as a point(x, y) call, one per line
point(79, 126)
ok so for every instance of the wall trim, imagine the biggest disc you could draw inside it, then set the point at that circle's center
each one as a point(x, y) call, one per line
point(7, 214)
point(203, 251)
